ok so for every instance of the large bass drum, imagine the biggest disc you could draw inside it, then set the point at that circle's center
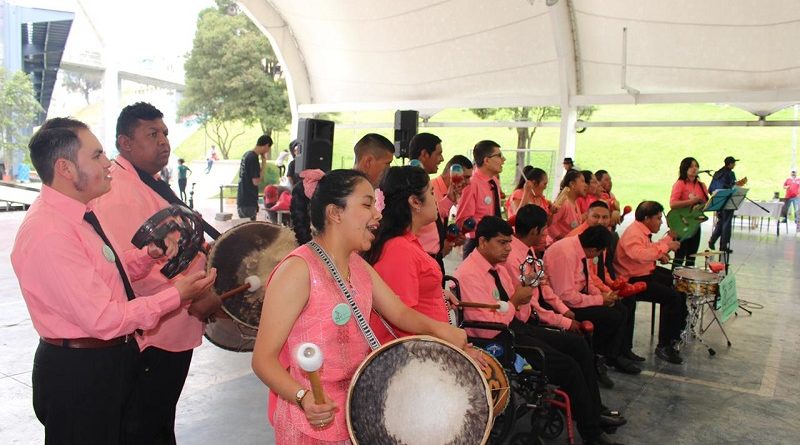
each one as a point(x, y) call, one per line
point(419, 390)
point(252, 248)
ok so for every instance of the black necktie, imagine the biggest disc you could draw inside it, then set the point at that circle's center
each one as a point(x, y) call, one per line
point(165, 191)
point(601, 266)
point(91, 218)
point(496, 194)
point(499, 285)
point(585, 275)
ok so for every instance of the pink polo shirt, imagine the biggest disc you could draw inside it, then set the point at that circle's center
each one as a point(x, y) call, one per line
point(566, 218)
point(428, 234)
point(583, 202)
point(72, 289)
point(636, 254)
point(477, 199)
point(682, 189)
point(478, 286)
point(414, 276)
point(121, 212)
point(563, 262)
point(519, 252)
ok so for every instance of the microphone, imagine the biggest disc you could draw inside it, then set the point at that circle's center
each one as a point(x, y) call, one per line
point(705, 171)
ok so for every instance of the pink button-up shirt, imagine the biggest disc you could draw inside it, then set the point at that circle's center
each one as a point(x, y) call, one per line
point(414, 276)
point(636, 254)
point(519, 252)
point(428, 234)
point(682, 189)
point(566, 218)
point(71, 288)
point(477, 199)
point(593, 271)
point(121, 212)
point(478, 286)
point(563, 262)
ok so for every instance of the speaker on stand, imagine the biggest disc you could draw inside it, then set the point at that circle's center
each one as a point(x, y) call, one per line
point(405, 127)
point(315, 139)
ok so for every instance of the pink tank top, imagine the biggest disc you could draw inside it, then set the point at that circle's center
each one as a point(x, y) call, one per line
point(324, 321)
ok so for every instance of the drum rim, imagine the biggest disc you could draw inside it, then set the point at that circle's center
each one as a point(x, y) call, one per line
point(493, 359)
point(713, 278)
point(212, 250)
point(428, 338)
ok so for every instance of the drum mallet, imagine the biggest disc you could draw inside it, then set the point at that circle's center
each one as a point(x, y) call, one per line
point(251, 283)
point(587, 327)
point(309, 358)
point(500, 306)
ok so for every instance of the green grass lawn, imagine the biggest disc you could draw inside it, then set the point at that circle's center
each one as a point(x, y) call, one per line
point(642, 161)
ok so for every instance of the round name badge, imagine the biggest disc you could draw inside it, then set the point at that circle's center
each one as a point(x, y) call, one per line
point(496, 294)
point(341, 314)
point(109, 254)
point(487, 200)
point(573, 224)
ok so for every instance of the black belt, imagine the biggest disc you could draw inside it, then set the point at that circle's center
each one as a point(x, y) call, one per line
point(87, 343)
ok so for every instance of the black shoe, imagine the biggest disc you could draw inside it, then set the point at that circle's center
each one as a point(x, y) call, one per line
point(624, 365)
point(711, 246)
point(630, 355)
point(606, 411)
point(602, 374)
point(669, 354)
point(612, 421)
point(601, 439)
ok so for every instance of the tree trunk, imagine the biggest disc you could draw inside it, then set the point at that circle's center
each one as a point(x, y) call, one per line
point(523, 141)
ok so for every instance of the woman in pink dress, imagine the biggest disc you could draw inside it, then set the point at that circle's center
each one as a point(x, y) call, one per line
point(303, 303)
point(397, 254)
point(567, 217)
point(688, 191)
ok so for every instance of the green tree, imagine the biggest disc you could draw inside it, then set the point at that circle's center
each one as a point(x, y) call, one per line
point(527, 114)
point(82, 83)
point(18, 108)
point(232, 75)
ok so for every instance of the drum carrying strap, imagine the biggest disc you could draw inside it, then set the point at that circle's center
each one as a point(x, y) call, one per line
point(362, 322)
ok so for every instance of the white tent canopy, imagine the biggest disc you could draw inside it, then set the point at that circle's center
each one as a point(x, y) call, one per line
point(430, 54)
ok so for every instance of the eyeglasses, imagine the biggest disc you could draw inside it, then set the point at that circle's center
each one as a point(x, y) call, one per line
point(496, 155)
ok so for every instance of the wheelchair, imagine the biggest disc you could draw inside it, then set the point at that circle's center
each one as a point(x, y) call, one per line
point(529, 389)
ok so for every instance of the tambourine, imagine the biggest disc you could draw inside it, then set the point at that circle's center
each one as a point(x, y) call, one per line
point(171, 219)
point(531, 271)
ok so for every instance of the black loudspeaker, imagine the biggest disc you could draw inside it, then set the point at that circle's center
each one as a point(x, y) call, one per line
point(315, 137)
point(405, 128)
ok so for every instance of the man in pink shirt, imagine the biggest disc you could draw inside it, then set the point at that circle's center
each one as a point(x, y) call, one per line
point(166, 349)
point(74, 278)
point(635, 260)
point(374, 154)
point(482, 196)
point(792, 187)
point(483, 279)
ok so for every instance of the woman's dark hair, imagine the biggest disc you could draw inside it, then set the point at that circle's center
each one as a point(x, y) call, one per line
point(683, 170)
point(587, 176)
point(536, 175)
point(333, 188)
point(569, 177)
point(523, 177)
point(398, 185)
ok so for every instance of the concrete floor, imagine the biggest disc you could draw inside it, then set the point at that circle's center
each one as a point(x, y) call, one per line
point(745, 394)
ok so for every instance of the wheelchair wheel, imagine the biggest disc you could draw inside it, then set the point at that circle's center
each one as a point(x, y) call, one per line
point(504, 423)
point(525, 439)
point(548, 422)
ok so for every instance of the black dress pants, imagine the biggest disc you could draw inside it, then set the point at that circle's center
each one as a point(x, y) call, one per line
point(159, 382)
point(609, 327)
point(570, 365)
point(688, 247)
point(81, 396)
point(673, 313)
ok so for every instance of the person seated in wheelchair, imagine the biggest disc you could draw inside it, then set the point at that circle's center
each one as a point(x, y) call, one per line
point(570, 363)
point(573, 264)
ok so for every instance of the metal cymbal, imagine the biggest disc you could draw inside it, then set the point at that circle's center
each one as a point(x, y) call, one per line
point(707, 253)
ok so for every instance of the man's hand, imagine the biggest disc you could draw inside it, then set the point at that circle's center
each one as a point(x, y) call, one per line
point(674, 245)
point(450, 297)
point(610, 298)
point(664, 259)
point(205, 305)
point(574, 327)
point(569, 314)
point(742, 181)
point(171, 241)
point(191, 286)
point(522, 296)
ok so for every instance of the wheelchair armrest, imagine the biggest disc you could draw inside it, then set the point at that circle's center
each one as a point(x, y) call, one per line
point(500, 327)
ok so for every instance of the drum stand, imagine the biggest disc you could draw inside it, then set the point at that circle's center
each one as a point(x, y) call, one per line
point(694, 322)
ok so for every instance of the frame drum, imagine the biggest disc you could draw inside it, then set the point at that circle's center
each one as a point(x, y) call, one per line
point(251, 248)
point(498, 383)
point(696, 282)
point(419, 390)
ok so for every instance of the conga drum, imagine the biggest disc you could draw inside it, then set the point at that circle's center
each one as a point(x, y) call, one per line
point(252, 248)
point(419, 390)
point(498, 383)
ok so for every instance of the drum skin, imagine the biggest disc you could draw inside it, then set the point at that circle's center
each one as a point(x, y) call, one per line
point(419, 390)
point(696, 282)
point(251, 248)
